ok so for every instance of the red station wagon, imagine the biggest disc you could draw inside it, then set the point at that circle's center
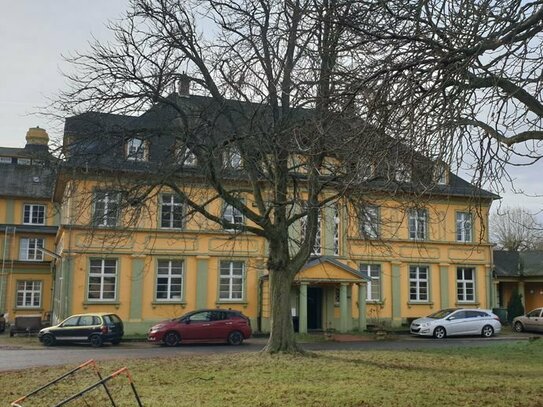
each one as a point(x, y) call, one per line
point(210, 325)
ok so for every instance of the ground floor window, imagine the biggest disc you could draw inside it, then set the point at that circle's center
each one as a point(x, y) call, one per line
point(418, 283)
point(29, 294)
point(231, 280)
point(373, 272)
point(169, 280)
point(102, 279)
point(465, 284)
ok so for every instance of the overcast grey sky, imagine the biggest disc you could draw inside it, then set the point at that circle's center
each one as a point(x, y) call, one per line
point(34, 34)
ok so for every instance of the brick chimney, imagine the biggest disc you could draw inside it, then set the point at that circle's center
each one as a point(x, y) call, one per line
point(183, 85)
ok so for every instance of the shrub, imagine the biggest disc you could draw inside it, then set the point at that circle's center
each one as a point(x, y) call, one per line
point(514, 307)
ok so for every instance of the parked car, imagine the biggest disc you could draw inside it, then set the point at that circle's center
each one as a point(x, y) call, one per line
point(208, 325)
point(457, 321)
point(2, 323)
point(532, 321)
point(92, 328)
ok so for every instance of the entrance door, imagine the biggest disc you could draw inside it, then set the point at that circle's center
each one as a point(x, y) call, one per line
point(314, 308)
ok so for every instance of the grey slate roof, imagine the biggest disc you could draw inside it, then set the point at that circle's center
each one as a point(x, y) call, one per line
point(97, 141)
point(506, 263)
point(532, 263)
point(26, 181)
point(29, 151)
point(518, 264)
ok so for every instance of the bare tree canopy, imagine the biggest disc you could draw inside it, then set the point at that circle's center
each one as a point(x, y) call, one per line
point(288, 88)
point(516, 229)
point(467, 73)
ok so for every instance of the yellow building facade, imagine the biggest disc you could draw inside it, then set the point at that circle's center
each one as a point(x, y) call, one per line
point(28, 220)
point(420, 259)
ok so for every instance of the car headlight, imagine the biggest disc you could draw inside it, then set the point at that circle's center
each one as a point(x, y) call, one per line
point(153, 330)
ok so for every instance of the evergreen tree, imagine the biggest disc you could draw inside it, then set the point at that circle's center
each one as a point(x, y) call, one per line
point(514, 307)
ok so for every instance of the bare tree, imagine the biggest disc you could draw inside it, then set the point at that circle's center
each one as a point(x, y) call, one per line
point(277, 84)
point(516, 229)
point(466, 75)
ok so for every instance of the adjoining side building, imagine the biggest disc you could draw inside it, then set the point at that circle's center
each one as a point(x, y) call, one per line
point(28, 224)
point(520, 272)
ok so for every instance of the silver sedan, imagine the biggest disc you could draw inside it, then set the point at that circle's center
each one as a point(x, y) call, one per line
point(457, 321)
point(532, 321)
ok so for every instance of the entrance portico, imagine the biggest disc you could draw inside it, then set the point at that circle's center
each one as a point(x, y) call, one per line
point(326, 286)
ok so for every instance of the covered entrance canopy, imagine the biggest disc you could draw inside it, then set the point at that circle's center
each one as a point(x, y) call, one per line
point(324, 284)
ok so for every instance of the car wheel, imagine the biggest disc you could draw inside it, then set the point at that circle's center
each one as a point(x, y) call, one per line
point(171, 339)
point(518, 327)
point(235, 338)
point(48, 340)
point(96, 341)
point(440, 332)
point(487, 331)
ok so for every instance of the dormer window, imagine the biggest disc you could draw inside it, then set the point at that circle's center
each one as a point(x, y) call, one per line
point(5, 160)
point(441, 174)
point(137, 149)
point(402, 173)
point(364, 169)
point(232, 159)
point(186, 157)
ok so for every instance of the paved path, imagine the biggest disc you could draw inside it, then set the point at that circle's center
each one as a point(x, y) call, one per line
point(15, 358)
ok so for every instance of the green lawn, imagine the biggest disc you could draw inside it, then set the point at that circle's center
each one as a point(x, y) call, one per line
point(500, 375)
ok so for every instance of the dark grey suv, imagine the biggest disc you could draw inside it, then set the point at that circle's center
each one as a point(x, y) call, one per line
point(91, 328)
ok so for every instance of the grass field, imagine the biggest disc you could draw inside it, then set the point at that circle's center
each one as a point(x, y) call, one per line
point(500, 375)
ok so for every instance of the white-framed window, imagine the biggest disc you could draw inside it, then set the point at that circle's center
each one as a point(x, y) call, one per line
point(465, 284)
point(373, 272)
point(464, 227)
point(29, 249)
point(440, 173)
point(232, 275)
point(232, 159)
point(102, 280)
point(232, 215)
point(137, 149)
point(317, 247)
point(24, 161)
point(337, 296)
point(418, 283)
point(34, 214)
point(171, 211)
point(402, 173)
point(418, 224)
point(186, 157)
point(105, 208)
point(169, 280)
point(370, 221)
point(337, 239)
point(29, 294)
point(363, 169)
point(5, 160)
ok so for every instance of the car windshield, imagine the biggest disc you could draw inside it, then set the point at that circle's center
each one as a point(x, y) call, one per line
point(441, 313)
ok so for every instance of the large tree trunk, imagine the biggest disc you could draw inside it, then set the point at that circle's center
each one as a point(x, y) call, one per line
point(282, 332)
